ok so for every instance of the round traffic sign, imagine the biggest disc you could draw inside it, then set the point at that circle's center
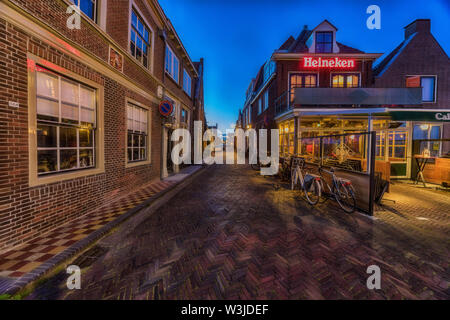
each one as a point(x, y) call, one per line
point(166, 108)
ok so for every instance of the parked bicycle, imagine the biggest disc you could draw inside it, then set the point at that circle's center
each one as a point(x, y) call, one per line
point(309, 183)
point(341, 190)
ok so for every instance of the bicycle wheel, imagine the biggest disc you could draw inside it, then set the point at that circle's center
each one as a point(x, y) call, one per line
point(313, 193)
point(345, 197)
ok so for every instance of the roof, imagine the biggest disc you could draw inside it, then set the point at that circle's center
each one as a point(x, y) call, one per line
point(381, 67)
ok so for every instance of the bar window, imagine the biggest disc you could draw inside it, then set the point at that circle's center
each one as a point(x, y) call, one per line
point(324, 42)
point(345, 80)
point(66, 123)
point(139, 39)
point(88, 7)
point(301, 80)
point(137, 138)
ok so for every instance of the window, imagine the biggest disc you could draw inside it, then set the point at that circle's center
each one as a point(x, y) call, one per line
point(428, 84)
point(88, 7)
point(184, 116)
point(397, 144)
point(324, 42)
point(266, 99)
point(172, 64)
point(428, 131)
point(345, 80)
point(140, 39)
point(137, 138)
point(260, 107)
point(66, 123)
point(301, 80)
point(286, 130)
point(187, 82)
point(269, 69)
point(380, 145)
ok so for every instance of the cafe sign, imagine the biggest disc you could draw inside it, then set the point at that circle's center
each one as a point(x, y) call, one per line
point(338, 63)
point(443, 116)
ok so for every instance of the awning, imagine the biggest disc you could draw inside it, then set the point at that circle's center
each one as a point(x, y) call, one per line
point(418, 115)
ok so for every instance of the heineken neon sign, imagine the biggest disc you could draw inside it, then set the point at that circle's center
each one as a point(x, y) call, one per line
point(311, 62)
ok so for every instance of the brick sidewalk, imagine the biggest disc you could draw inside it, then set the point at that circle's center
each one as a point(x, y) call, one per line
point(31, 255)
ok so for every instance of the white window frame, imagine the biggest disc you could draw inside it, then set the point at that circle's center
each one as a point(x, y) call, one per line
point(146, 160)
point(96, 9)
point(187, 83)
point(149, 44)
point(169, 64)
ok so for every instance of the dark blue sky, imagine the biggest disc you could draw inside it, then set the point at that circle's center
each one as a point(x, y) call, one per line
point(237, 36)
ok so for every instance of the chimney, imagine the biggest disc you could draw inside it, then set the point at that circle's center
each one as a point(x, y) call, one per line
point(419, 25)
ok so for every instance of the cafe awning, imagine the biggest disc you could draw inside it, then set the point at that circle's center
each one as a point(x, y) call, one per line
point(420, 115)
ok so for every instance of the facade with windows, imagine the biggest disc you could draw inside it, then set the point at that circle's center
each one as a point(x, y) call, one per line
point(322, 87)
point(80, 122)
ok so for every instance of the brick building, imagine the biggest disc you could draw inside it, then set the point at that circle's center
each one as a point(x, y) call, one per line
point(314, 86)
point(79, 119)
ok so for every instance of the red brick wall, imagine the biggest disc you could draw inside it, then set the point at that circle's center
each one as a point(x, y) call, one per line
point(26, 212)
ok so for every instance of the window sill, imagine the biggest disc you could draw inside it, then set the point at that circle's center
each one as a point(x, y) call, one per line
point(39, 181)
point(137, 164)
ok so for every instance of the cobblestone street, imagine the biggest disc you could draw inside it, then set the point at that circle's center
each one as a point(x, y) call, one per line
point(234, 234)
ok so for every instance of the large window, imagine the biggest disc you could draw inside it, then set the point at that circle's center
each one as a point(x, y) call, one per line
point(269, 69)
point(345, 80)
point(172, 64)
point(137, 139)
point(301, 80)
point(428, 131)
point(88, 7)
point(187, 82)
point(287, 130)
point(428, 85)
point(398, 145)
point(324, 42)
point(140, 39)
point(66, 123)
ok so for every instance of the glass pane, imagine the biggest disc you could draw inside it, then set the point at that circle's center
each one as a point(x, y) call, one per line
point(67, 137)
point(69, 92)
point(143, 155)
point(135, 140)
point(427, 88)
point(86, 138)
point(86, 158)
point(46, 136)
point(134, 19)
point(399, 152)
point(130, 154)
point(130, 140)
point(420, 132)
point(136, 154)
point(146, 35)
point(140, 27)
point(435, 132)
point(88, 98)
point(47, 85)
point(47, 108)
point(47, 160)
point(87, 116)
point(69, 112)
point(68, 159)
point(143, 141)
point(87, 6)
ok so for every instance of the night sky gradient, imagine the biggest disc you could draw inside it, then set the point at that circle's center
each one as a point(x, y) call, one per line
point(237, 36)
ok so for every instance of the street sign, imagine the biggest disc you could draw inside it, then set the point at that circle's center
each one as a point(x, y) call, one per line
point(166, 108)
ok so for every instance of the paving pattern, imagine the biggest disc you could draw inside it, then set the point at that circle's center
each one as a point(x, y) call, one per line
point(234, 234)
point(25, 258)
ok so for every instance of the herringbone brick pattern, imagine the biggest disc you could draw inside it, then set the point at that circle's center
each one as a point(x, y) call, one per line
point(25, 258)
point(236, 235)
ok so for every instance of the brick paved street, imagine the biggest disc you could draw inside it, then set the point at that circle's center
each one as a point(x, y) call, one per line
point(234, 234)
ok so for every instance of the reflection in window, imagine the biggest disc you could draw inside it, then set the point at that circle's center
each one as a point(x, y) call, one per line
point(66, 123)
point(88, 7)
point(137, 137)
point(324, 42)
point(345, 81)
point(140, 39)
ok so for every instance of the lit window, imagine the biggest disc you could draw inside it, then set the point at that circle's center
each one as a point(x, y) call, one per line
point(140, 39)
point(345, 81)
point(172, 64)
point(301, 80)
point(324, 42)
point(187, 82)
point(137, 138)
point(88, 7)
point(66, 123)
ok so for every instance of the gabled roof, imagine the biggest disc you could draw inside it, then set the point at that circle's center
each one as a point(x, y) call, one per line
point(325, 21)
point(380, 68)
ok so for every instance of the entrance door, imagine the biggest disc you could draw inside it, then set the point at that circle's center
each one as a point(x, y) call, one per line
point(398, 152)
point(167, 167)
point(169, 163)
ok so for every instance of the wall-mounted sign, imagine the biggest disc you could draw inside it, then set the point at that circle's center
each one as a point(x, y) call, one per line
point(166, 108)
point(443, 116)
point(313, 62)
point(115, 59)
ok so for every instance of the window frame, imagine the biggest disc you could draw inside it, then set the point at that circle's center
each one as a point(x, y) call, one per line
point(317, 43)
point(99, 166)
point(95, 19)
point(345, 75)
point(146, 25)
point(168, 49)
point(187, 76)
point(303, 75)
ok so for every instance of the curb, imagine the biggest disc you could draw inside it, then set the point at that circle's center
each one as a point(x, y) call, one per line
point(11, 287)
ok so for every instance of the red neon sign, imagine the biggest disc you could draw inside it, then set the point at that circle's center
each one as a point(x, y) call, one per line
point(311, 62)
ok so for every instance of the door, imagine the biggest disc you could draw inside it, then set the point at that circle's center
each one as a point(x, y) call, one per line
point(399, 152)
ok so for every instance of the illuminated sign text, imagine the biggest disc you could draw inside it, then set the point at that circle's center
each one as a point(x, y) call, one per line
point(310, 62)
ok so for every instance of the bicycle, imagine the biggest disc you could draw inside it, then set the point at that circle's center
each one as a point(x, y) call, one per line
point(310, 183)
point(341, 190)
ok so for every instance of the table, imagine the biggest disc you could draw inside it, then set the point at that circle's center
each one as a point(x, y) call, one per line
point(421, 164)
